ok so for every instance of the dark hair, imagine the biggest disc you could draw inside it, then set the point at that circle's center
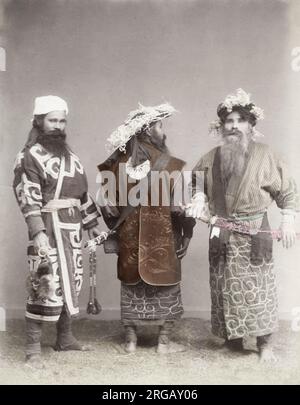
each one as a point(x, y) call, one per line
point(37, 126)
point(38, 121)
point(243, 111)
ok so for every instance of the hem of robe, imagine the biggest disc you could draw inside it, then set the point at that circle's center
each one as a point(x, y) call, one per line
point(245, 335)
point(164, 303)
point(43, 313)
point(41, 318)
point(147, 282)
point(146, 322)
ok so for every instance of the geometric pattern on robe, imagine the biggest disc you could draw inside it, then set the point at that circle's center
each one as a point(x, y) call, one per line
point(141, 303)
point(242, 278)
point(243, 294)
point(38, 178)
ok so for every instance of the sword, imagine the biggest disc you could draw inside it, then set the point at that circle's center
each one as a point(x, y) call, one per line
point(93, 306)
point(91, 244)
point(241, 228)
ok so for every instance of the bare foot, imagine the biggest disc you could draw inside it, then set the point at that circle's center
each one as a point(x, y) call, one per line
point(171, 347)
point(34, 361)
point(74, 346)
point(162, 348)
point(130, 347)
point(235, 345)
point(267, 355)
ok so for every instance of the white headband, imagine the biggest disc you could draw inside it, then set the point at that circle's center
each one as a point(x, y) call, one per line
point(46, 104)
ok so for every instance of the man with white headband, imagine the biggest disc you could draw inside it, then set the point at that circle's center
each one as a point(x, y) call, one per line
point(51, 188)
point(235, 184)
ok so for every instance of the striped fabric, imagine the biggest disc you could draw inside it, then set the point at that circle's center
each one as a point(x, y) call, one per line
point(265, 180)
point(242, 277)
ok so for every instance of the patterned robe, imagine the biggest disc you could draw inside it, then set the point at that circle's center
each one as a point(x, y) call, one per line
point(148, 266)
point(40, 177)
point(242, 278)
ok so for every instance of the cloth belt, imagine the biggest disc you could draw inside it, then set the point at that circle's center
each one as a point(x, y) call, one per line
point(244, 227)
point(58, 204)
point(253, 222)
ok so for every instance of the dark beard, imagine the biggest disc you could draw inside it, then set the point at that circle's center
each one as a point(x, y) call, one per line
point(54, 143)
point(233, 159)
point(160, 144)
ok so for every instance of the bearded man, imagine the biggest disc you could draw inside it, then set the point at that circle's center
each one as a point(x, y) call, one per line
point(155, 233)
point(51, 188)
point(235, 183)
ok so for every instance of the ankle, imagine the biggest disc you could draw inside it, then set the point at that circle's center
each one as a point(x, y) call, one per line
point(130, 335)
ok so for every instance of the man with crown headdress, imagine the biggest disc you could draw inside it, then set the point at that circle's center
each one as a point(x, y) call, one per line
point(155, 234)
point(233, 186)
point(51, 188)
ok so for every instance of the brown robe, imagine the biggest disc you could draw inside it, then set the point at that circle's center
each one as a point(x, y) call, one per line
point(150, 235)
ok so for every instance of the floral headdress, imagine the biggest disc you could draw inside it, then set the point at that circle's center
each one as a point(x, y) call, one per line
point(138, 119)
point(242, 99)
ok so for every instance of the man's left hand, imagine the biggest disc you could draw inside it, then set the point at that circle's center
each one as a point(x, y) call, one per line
point(183, 250)
point(287, 228)
point(288, 235)
point(93, 232)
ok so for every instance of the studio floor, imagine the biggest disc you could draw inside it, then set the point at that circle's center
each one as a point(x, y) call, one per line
point(201, 359)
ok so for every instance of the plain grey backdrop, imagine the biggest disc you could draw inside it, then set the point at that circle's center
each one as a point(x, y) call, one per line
point(104, 57)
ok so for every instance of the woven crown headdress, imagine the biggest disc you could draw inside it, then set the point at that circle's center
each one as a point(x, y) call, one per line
point(136, 120)
point(241, 98)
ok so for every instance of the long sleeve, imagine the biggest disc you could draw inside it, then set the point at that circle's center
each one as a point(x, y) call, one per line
point(183, 224)
point(188, 224)
point(89, 212)
point(27, 188)
point(281, 185)
point(197, 183)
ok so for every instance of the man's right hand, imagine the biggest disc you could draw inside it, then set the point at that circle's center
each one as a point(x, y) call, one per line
point(41, 241)
point(198, 207)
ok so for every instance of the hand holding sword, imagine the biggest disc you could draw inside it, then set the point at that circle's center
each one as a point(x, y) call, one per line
point(198, 208)
point(98, 240)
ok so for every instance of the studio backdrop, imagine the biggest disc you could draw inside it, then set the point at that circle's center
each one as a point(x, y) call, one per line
point(104, 57)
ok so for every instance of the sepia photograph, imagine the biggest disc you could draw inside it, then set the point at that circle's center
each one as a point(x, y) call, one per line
point(150, 195)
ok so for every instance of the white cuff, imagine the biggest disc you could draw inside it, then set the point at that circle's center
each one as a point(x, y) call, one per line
point(287, 211)
point(288, 219)
point(198, 197)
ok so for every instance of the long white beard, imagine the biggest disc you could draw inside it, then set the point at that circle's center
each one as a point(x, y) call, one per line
point(233, 157)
